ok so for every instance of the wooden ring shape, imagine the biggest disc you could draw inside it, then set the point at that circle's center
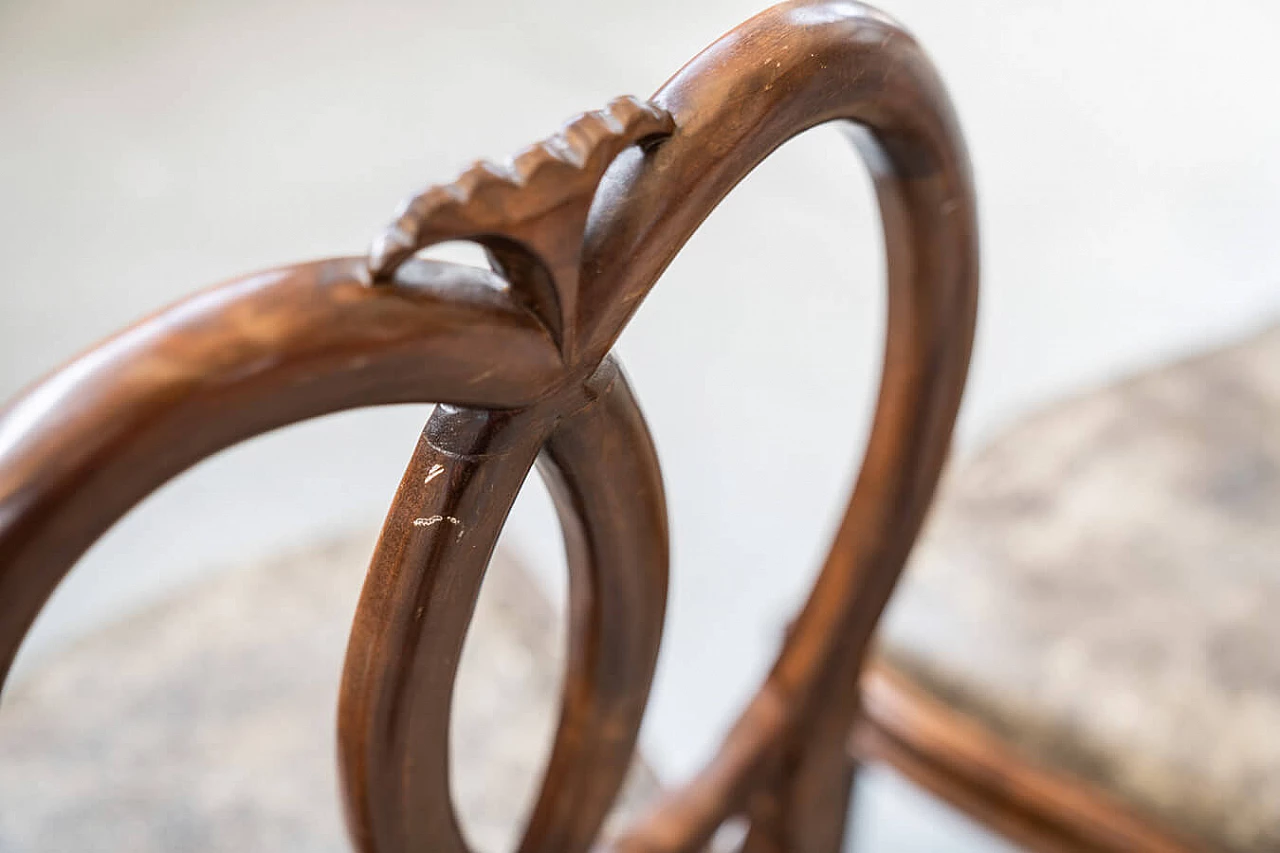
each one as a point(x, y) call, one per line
point(578, 228)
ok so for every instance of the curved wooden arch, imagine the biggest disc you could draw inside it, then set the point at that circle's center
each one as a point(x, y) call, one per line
point(402, 660)
point(783, 763)
point(522, 360)
point(82, 447)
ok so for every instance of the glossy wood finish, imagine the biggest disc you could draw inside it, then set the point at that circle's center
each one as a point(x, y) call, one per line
point(421, 590)
point(83, 446)
point(578, 229)
point(962, 763)
point(732, 108)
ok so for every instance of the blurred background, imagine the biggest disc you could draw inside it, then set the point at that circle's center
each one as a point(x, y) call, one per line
point(1129, 190)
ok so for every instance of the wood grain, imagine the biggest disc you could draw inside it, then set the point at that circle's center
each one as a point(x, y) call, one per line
point(578, 229)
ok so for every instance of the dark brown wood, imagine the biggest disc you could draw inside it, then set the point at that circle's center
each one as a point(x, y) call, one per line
point(784, 763)
point(578, 229)
point(732, 108)
point(530, 213)
point(83, 446)
point(970, 768)
point(422, 586)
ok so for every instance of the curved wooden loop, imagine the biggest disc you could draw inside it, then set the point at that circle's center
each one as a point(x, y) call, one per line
point(602, 471)
point(421, 592)
point(521, 367)
point(402, 657)
point(83, 446)
point(792, 67)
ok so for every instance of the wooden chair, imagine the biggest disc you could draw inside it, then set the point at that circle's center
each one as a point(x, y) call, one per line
point(578, 228)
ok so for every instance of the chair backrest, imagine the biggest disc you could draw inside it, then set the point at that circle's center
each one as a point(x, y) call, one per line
point(578, 229)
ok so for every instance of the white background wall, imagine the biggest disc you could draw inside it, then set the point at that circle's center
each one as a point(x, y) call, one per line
point(1128, 163)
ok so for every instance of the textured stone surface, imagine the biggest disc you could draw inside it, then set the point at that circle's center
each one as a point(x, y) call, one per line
point(207, 723)
point(1102, 584)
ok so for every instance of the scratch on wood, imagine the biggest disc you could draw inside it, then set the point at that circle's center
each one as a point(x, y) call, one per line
point(431, 520)
point(435, 471)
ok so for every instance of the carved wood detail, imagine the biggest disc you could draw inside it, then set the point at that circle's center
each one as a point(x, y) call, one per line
point(579, 228)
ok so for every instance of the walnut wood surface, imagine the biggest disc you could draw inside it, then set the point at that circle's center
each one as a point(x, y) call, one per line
point(422, 587)
point(521, 361)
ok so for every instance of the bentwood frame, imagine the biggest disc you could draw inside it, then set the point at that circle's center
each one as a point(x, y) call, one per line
point(578, 229)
